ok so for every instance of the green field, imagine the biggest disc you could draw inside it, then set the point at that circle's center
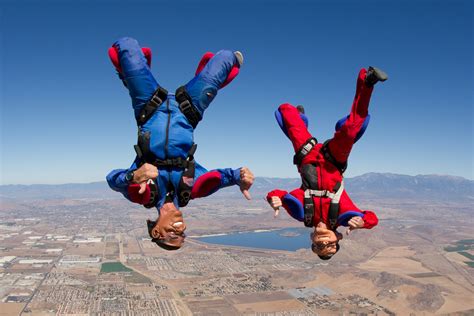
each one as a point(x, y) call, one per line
point(466, 241)
point(467, 255)
point(460, 245)
point(135, 277)
point(113, 267)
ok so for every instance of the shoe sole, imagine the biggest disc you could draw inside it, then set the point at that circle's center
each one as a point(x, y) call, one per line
point(380, 74)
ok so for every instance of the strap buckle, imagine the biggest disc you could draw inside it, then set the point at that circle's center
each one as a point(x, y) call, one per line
point(304, 150)
point(158, 97)
point(186, 106)
point(190, 112)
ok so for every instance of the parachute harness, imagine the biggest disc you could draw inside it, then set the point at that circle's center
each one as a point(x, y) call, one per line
point(145, 155)
point(310, 183)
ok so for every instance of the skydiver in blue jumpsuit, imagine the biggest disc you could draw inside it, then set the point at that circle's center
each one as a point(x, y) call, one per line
point(164, 174)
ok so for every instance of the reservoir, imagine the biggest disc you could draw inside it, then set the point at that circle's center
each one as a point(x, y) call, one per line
point(289, 239)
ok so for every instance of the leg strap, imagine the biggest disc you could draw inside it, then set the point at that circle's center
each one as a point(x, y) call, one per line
point(304, 150)
point(186, 106)
point(151, 106)
point(329, 157)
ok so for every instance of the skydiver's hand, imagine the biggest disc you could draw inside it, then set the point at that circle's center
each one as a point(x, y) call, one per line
point(275, 203)
point(143, 174)
point(355, 223)
point(246, 181)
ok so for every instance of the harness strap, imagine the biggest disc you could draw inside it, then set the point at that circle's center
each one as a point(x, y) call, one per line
point(186, 182)
point(333, 212)
point(329, 157)
point(334, 196)
point(144, 154)
point(158, 97)
point(308, 211)
point(304, 150)
point(142, 148)
point(186, 106)
point(170, 163)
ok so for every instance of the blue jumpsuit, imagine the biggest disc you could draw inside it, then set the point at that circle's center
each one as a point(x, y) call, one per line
point(171, 135)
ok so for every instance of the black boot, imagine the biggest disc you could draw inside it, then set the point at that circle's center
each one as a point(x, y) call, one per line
point(373, 76)
point(300, 109)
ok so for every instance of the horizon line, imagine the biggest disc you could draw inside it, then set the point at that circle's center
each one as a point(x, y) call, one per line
point(258, 177)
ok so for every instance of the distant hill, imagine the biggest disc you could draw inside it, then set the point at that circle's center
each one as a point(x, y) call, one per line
point(388, 185)
point(57, 191)
point(369, 185)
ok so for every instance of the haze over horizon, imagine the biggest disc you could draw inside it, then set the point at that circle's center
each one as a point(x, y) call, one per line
point(66, 118)
point(262, 177)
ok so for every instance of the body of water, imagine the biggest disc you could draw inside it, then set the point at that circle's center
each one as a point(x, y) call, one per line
point(289, 239)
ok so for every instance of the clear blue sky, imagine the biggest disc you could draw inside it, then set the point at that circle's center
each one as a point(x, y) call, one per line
point(65, 117)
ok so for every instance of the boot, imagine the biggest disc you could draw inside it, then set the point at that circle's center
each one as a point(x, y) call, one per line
point(373, 76)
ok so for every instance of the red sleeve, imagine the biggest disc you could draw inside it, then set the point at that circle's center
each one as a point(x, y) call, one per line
point(206, 184)
point(298, 193)
point(278, 193)
point(297, 130)
point(370, 219)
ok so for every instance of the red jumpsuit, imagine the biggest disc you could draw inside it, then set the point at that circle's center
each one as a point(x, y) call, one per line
point(340, 146)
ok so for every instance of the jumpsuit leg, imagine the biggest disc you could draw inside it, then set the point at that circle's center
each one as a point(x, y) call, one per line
point(341, 144)
point(203, 87)
point(136, 73)
point(295, 126)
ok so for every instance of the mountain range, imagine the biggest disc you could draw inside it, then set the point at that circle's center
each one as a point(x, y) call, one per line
point(369, 185)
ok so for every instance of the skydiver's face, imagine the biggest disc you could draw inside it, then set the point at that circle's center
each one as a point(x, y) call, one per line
point(324, 240)
point(170, 227)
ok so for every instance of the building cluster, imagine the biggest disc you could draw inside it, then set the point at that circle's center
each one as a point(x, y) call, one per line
point(78, 262)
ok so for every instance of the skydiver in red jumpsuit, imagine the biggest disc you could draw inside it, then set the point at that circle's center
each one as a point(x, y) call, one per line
point(321, 202)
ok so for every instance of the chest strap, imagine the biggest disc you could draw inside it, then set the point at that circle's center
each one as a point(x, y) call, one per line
point(158, 97)
point(186, 106)
point(329, 157)
point(333, 212)
point(304, 150)
point(144, 154)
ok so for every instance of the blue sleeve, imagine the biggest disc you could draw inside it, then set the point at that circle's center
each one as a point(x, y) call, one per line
point(116, 179)
point(229, 177)
point(200, 170)
point(293, 207)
